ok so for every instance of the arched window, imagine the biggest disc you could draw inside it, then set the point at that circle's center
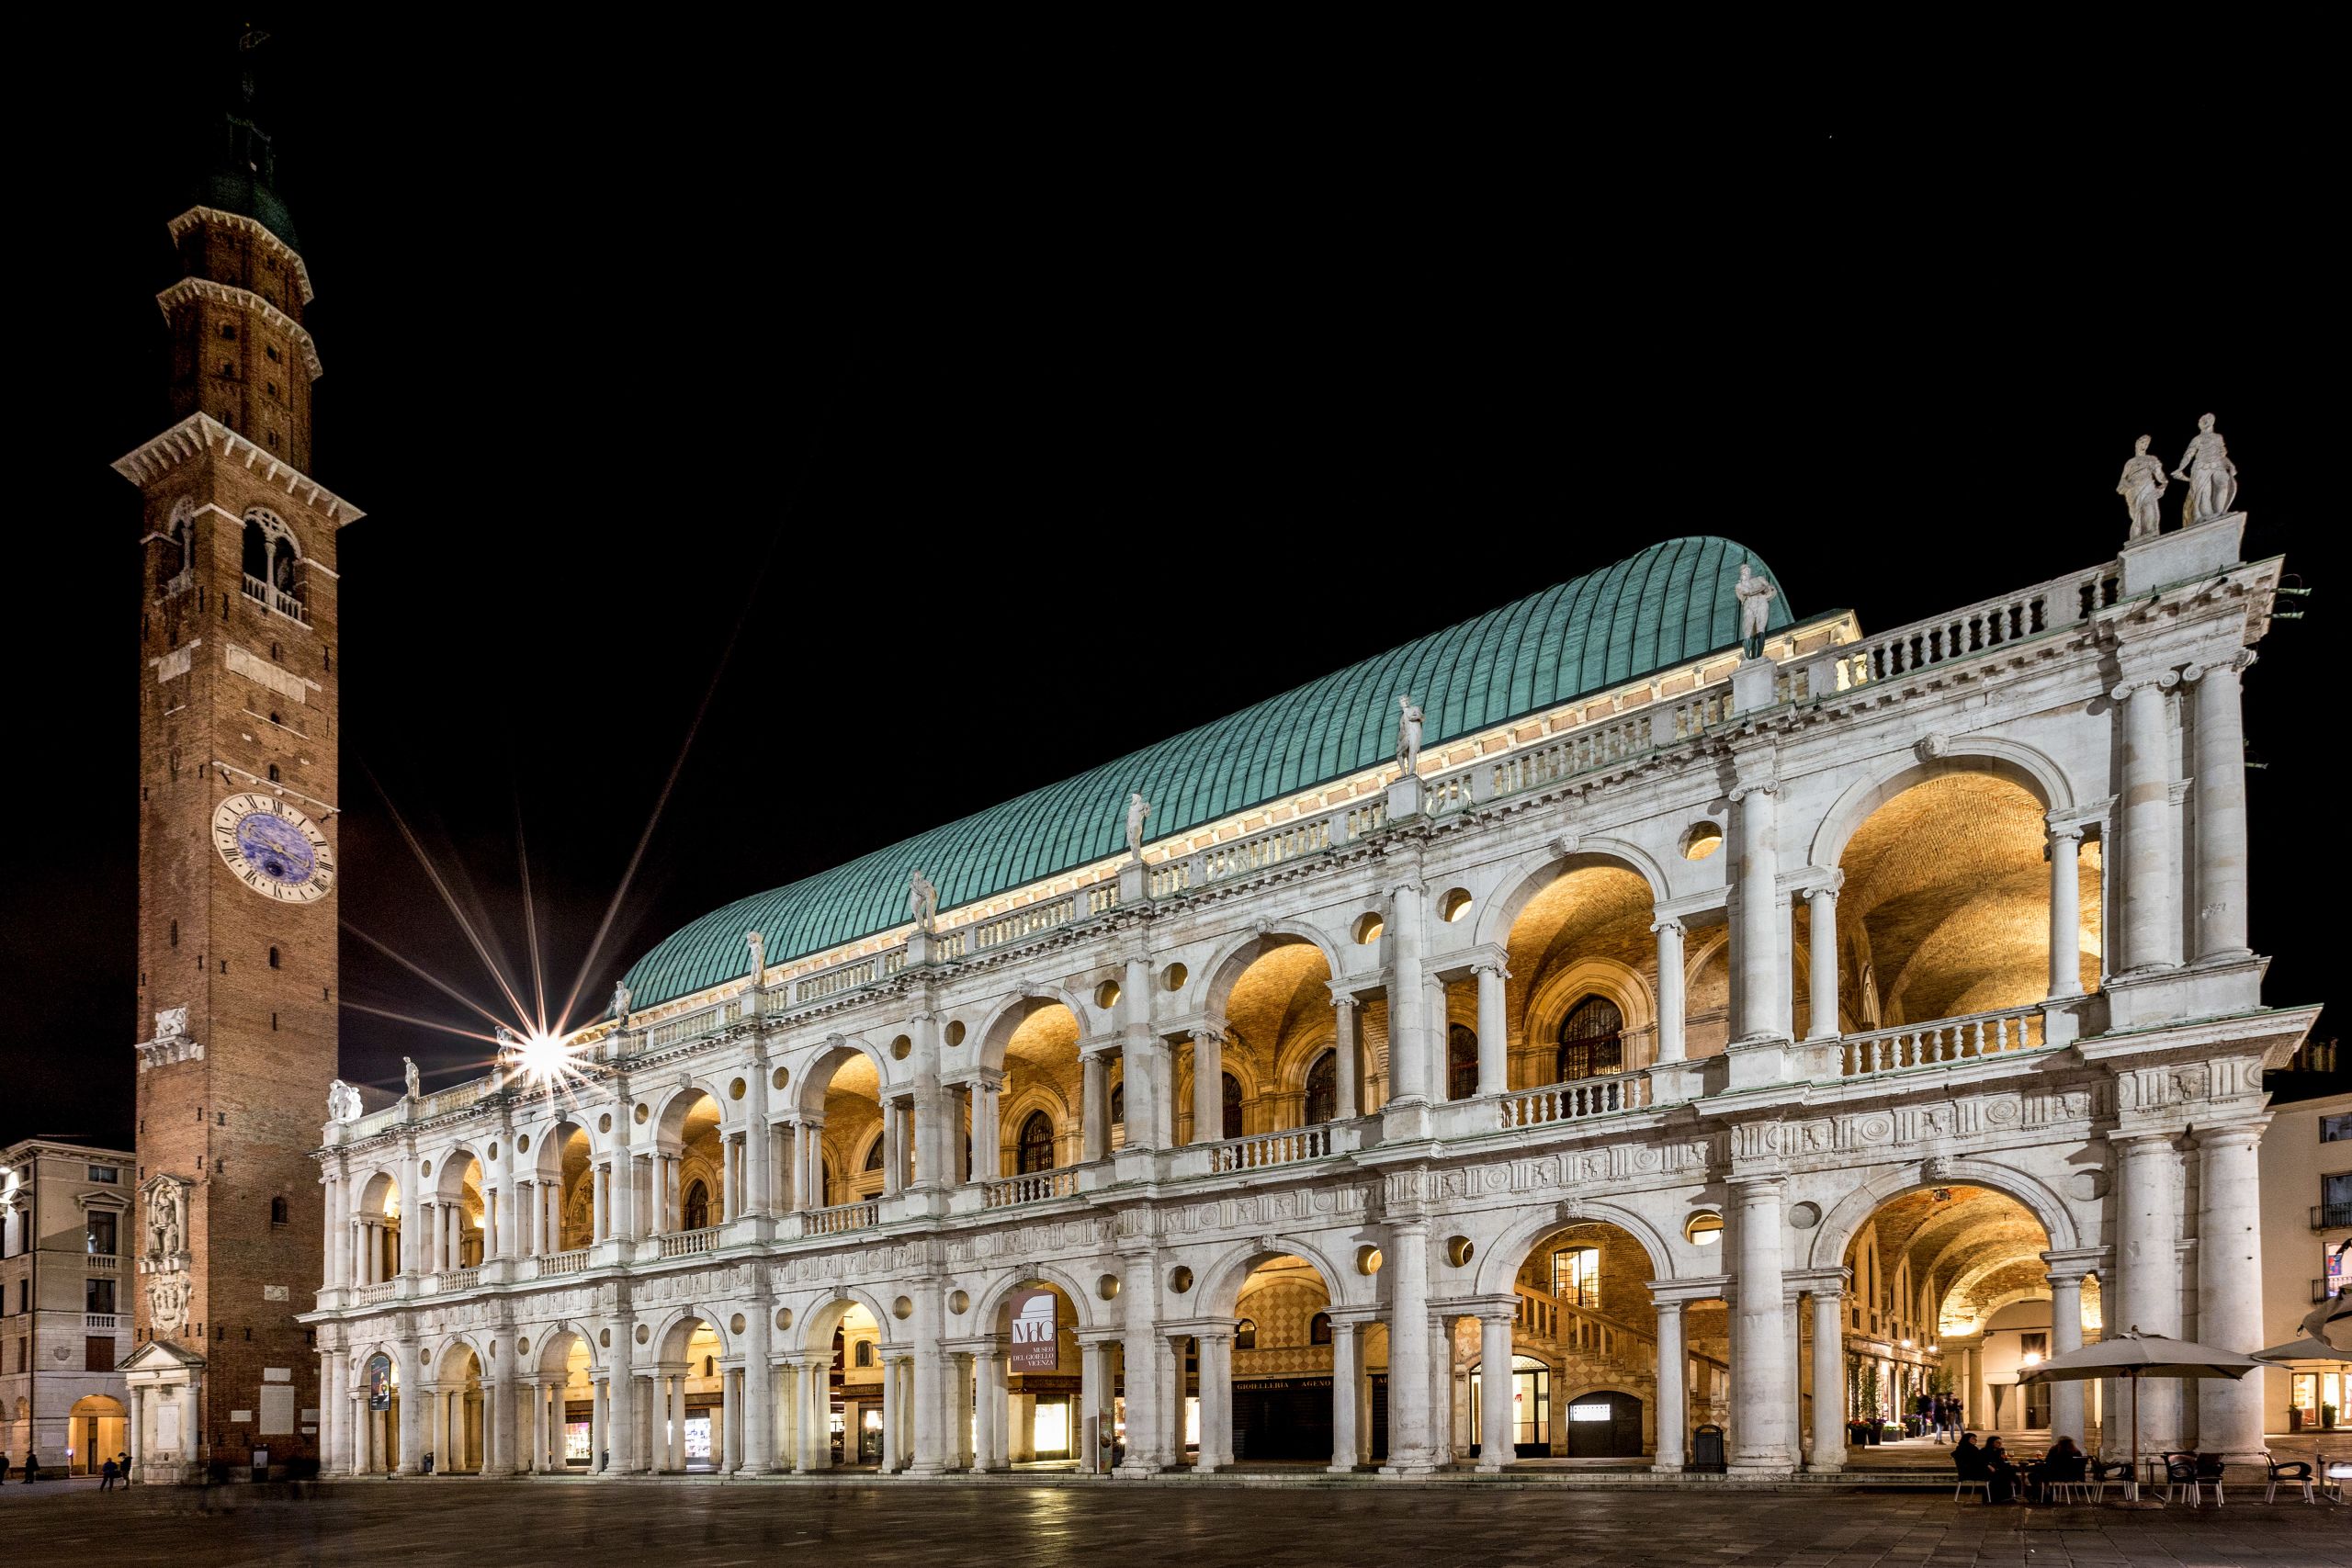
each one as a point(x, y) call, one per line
point(1319, 1329)
point(865, 1352)
point(1323, 1088)
point(1592, 1040)
point(1119, 1103)
point(256, 551)
point(874, 1154)
point(697, 1206)
point(1232, 1106)
point(1461, 1062)
point(1036, 1152)
point(1245, 1333)
point(1575, 1276)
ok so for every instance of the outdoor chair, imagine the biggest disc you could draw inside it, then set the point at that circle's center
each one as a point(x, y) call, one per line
point(1984, 1487)
point(2209, 1474)
point(2296, 1473)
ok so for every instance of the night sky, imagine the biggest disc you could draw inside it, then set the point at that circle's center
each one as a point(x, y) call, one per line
point(953, 429)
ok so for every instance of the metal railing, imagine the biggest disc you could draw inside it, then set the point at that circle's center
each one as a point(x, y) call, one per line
point(2332, 1217)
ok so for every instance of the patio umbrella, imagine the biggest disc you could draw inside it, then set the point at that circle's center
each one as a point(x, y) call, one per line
point(2131, 1355)
point(2332, 1320)
point(2304, 1350)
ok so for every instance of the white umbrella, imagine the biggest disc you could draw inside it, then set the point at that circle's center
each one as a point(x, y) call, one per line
point(2131, 1355)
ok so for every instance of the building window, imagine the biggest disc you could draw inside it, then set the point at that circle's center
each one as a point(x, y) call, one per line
point(277, 1216)
point(107, 1174)
point(1036, 1151)
point(874, 1152)
point(1232, 1106)
point(1323, 1088)
point(97, 1353)
point(1245, 1333)
point(697, 1206)
point(229, 331)
point(2336, 1201)
point(865, 1352)
point(273, 951)
point(1592, 1040)
point(1575, 1276)
point(1319, 1329)
point(97, 1295)
point(1461, 1062)
point(1119, 1103)
point(101, 1232)
point(2336, 1129)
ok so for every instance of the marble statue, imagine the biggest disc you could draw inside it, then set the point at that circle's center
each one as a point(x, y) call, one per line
point(2212, 478)
point(415, 1078)
point(1137, 809)
point(171, 1023)
point(1408, 735)
point(343, 1102)
point(167, 1225)
point(759, 946)
point(922, 899)
point(2142, 486)
point(1756, 596)
point(167, 1301)
point(619, 1010)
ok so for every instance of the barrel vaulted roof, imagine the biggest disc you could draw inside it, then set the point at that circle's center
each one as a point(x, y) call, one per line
point(1667, 606)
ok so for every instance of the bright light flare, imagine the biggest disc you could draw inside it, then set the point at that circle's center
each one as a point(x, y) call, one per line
point(542, 1059)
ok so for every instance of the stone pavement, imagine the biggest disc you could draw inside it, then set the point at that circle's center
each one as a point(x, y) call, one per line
point(578, 1525)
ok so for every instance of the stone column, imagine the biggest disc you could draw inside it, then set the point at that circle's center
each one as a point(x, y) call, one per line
point(1413, 1058)
point(1830, 1378)
point(1208, 1086)
point(2066, 850)
point(331, 1412)
point(1093, 1400)
point(1349, 1096)
point(890, 1454)
point(894, 1159)
point(1762, 1392)
point(1669, 988)
point(1496, 1438)
point(2147, 1203)
point(758, 1386)
point(1673, 1384)
point(758, 1144)
point(1217, 1400)
point(2221, 821)
point(995, 1399)
point(411, 1203)
point(1494, 1035)
point(678, 1421)
point(730, 1454)
point(1142, 1058)
point(1137, 1348)
point(1410, 1350)
point(1759, 1000)
point(2229, 1282)
point(816, 1452)
point(1094, 1107)
point(1343, 1396)
point(1821, 1015)
point(2150, 842)
point(413, 1397)
point(926, 1384)
point(600, 1423)
point(987, 1129)
point(2065, 1334)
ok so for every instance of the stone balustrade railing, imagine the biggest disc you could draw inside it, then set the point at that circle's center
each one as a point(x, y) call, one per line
point(102, 1263)
point(1260, 1150)
point(690, 1026)
point(1965, 633)
point(555, 1264)
point(104, 1322)
point(1028, 920)
point(460, 1278)
point(368, 1295)
point(1601, 1096)
point(1035, 1187)
point(1944, 1039)
point(687, 1244)
point(840, 1217)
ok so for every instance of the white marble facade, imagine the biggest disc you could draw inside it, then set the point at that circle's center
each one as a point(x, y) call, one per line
point(2121, 1106)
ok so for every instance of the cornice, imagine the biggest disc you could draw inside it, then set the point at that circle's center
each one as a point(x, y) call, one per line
point(200, 434)
point(199, 214)
point(189, 289)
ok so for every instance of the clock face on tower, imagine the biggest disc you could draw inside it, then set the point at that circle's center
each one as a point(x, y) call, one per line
point(274, 849)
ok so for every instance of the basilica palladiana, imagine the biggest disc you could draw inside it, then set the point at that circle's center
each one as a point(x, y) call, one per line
point(1640, 1022)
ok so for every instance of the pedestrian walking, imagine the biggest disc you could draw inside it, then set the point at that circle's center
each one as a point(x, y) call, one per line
point(4, 1467)
point(122, 1464)
point(106, 1476)
point(32, 1467)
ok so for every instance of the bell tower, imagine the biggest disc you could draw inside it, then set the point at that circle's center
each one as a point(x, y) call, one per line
point(238, 792)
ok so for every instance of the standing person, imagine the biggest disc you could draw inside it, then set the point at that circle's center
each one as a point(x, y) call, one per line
point(106, 1476)
point(32, 1467)
point(122, 1462)
point(4, 1467)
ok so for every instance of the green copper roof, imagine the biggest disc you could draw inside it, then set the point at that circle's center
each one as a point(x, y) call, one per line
point(1669, 605)
point(247, 196)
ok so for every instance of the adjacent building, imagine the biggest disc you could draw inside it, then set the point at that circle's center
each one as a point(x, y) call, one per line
point(2306, 1258)
point(66, 1226)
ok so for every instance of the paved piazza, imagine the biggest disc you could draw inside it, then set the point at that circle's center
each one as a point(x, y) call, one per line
point(713, 1526)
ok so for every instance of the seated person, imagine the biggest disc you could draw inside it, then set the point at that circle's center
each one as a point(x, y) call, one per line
point(1968, 1458)
point(2065, 1461)
point(1999, 1473)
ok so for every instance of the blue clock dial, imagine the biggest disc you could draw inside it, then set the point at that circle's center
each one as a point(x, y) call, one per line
point(276, 848)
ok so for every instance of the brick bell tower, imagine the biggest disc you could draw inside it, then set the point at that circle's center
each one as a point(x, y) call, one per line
point(238, 795)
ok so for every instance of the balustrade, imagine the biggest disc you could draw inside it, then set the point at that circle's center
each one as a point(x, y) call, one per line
point(1944, 1039)
point(685, 1244)
point(368, 1295)
point(1026, 922)
point(553, 1264)
point(1262, 1149)
point(1035, 1187)
point(462, 1279)
point(103, 1321)
point(1570, 1101)
point(276, 599)
point(840, 1217)
point(1963, 634)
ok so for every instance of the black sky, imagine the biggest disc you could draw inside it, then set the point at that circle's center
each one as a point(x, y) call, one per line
point(1020, 416)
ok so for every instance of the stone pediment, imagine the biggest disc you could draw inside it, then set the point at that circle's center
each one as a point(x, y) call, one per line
point(161, 1356)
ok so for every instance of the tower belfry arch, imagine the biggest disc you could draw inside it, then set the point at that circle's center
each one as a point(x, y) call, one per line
point(237, 839)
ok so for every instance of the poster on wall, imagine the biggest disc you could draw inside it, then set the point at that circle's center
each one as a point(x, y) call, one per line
point(1036, 1347)
point(380, 1383)
point(2333, 1262)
